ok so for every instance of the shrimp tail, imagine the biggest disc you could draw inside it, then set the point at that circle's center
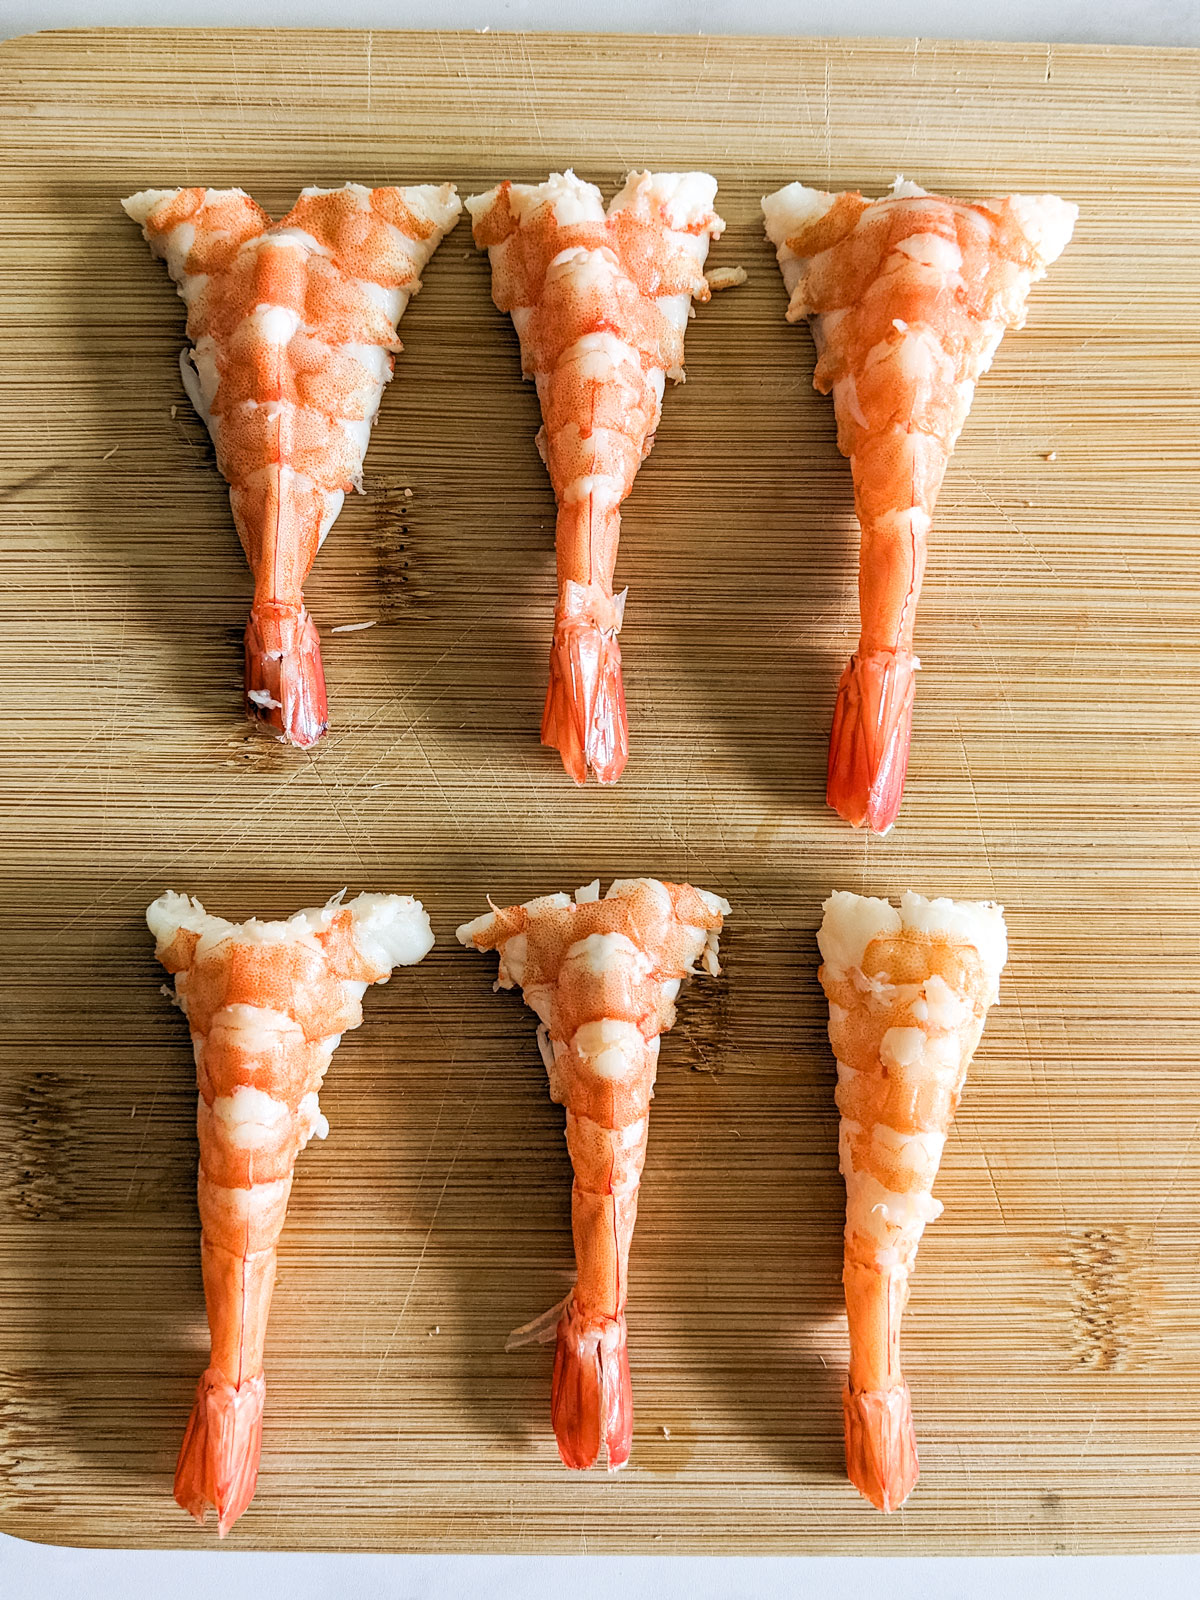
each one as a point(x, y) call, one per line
point(285, 681)
point(881, 1447)
point(591, 1395)
point(585, 719)
point(868, 744)
point(218, 1460)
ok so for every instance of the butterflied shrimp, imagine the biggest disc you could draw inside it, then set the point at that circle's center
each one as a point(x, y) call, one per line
point(267, 1004)
point(602, 976)
point(293, 337)
point(908, 298)
point(600, 301)
point(908, 993)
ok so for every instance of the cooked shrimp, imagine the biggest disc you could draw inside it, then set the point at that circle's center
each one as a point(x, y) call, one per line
point(908, 993)
point(602, 976)
point(600, 303)
point(908, 298)
point(293, 336)
point(267, 1004)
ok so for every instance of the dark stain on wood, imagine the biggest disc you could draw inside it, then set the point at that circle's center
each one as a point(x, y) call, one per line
point(700, 1037)
point(391, 504)
point(38, 1133)
point(1111, 1299)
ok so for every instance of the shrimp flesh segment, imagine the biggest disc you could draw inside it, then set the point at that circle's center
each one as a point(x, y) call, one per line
point(908, 297)
point(267, 1004)
point(293, 336)
point(602, 976)
point(600, 302)
point(908, 992)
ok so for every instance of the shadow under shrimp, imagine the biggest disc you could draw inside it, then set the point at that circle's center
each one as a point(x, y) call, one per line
point(151, 509)
point(460, 525)
point(760, 573)
point(754, 1306)
point(758, 675)
point(31, 480)
point(491, 1213)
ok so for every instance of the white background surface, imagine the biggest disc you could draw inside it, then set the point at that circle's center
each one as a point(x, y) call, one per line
point(33, 1572)
point(1081, 21)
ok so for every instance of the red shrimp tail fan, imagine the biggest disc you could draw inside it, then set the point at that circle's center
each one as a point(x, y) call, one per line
point(881, 1447)
point(218, 1460)
point(585, 719)
point(285, 679)
point(591, 1394)
point(868, 744)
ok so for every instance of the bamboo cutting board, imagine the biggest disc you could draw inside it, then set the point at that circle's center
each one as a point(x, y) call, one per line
point(1052, 1339)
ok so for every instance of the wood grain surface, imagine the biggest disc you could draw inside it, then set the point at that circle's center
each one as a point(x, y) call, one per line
point(1052, 1339)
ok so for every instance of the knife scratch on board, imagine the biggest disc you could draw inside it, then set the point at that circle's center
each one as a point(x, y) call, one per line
point(532, 95)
